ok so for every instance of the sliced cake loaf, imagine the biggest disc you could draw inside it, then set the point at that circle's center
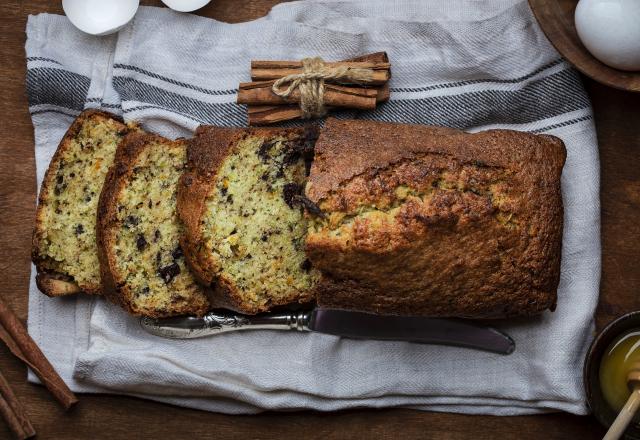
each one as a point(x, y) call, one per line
point(64, 242)
point(241, 200)
point(142, 264)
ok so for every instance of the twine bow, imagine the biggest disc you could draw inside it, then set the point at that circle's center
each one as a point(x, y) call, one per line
point(311, 83)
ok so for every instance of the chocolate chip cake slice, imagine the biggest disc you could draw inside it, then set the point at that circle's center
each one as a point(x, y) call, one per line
point(64, 241)
point(241, 200)
point(141, 261)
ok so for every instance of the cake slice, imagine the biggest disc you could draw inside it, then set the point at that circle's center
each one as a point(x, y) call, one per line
point(138, 234)
point(432, 221)
point(64, 241)
point(241, 200)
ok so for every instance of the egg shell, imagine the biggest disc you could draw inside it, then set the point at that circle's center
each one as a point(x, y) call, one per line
point(610, 30)
point(100, 17)
point(185, 5)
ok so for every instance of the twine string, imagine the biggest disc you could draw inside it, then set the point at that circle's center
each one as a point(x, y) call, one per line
point(311, 84)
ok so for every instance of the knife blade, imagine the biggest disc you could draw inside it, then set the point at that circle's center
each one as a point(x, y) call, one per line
point(354, 325)
point(456, 332)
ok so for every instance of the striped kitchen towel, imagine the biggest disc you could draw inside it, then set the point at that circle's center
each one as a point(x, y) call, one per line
point(472, 65)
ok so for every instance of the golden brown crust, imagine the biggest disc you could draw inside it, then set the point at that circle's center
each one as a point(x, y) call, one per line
point(206, 152)
point(53, 283)
point(127, 151)
point(477, 233)
point(119, 175)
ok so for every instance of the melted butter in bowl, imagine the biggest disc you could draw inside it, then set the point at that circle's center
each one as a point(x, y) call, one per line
point(620, 357)
point(612, 353)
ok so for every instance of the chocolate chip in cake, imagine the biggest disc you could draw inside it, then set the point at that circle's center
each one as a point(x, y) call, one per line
point(79, 229)
point(229, 198)
point(263, 151)
point(306, 265)
point(156, 236)
point(289, 192)
point(177, 253)
point(150, 204)
point(169, 272)
point(141, 242)
point(131, 221)
point(223, 191)
point(311, 207)
point(291, 157)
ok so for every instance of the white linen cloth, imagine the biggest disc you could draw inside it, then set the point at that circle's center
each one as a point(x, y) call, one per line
point(468, 64)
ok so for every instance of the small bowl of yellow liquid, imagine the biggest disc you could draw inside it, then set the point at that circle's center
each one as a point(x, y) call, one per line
point(613, 354)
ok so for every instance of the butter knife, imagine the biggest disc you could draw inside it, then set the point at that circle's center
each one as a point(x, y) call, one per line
point(354, 325)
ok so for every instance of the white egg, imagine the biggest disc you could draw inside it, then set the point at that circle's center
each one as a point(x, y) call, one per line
point(185, 5)
point(610, 30)
point(100, 17)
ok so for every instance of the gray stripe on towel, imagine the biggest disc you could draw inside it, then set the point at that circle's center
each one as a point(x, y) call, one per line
point(47, 85)
point(224, 114)
point(479, 81)
point(175, 82)
point(547, 97)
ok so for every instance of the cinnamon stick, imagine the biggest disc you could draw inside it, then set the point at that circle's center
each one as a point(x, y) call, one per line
point(13, 412)
point(374, 57)
point(260, 93)
point(272, 114)
point(265, 114)
point(21, 345)
point(271, 70)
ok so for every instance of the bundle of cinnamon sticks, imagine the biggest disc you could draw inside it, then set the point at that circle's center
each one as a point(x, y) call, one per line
point(264, 107)
point(15, 336)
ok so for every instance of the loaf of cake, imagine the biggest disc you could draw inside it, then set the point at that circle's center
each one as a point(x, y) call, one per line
point(425, 221)
point(138, 232)
point(64, 241)
point(242, 204)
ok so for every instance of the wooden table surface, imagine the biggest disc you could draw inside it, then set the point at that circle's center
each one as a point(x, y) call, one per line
point(618, 123)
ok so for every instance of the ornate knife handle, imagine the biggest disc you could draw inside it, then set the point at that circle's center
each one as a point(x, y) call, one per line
point(213, 323)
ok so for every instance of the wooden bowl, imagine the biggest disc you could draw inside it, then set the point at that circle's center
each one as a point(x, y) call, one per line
point(600, 408)
point(556, 20)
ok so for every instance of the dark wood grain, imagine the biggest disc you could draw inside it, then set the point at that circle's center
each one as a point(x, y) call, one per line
point(556, 20)
point(112, 417)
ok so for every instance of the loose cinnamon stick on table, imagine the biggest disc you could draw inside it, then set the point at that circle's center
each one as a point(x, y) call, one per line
point(260, 93)
point(21, 345)
point(13, 412)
